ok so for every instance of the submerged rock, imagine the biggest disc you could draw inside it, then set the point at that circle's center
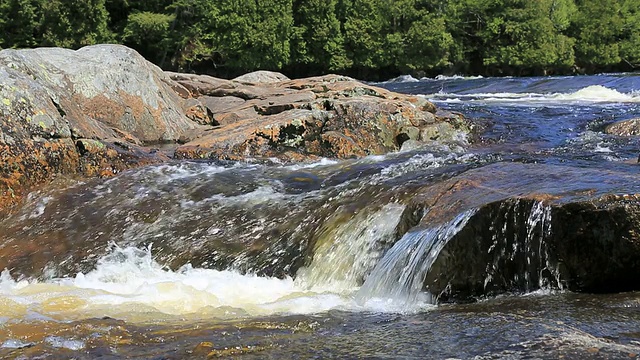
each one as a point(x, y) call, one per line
point(629, 127)
point(553, 227)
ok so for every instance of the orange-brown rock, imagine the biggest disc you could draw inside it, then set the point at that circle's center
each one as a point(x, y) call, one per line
point(629, 127)
point(95, 111)
point(86, 112)
point(327, 116)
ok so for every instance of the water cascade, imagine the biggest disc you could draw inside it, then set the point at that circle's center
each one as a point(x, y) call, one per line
point(262, 259)
point(399, 275)
point(343, 254)
point(519, 256)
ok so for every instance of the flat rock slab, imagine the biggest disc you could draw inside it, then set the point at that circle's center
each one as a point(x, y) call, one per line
point(58, 107)
point(300, 120)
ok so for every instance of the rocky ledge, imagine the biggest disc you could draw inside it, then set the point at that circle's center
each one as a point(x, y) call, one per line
point(104, 109)
point(552, 227)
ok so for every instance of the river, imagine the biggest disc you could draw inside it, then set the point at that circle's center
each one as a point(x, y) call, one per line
point(267, 260)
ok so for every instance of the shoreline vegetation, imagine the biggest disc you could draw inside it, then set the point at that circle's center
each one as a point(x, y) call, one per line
point(367, 39)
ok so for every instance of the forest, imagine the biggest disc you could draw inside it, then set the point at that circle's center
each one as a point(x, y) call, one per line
point(367, 39)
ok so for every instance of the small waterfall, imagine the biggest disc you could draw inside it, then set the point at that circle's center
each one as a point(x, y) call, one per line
point(344, 253)
point(520, 251)
point(400, 275)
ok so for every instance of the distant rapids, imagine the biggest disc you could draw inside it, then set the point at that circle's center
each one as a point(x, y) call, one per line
point(607, 88)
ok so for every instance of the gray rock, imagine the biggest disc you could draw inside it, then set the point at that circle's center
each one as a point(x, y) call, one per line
point(261, 77)
point(104, 86)
point(81, 112)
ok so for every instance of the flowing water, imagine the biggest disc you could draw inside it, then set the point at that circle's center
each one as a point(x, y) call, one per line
point(326, 260)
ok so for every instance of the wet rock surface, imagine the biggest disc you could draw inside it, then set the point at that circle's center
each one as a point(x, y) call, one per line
point(101, 110)
point(555, 227)
point(629, 127)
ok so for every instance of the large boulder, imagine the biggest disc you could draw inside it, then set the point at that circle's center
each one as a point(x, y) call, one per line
point(262, 77)
point(81, 112)
point(330, 116)
point(94, 89)
point(553, 226)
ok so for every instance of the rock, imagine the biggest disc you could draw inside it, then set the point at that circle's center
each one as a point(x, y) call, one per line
point(198, 85)
point(629, 127)
point(329, 116)
point(220, 105)
point(81, 112)
point(104, 86)
point(267, 77)
point(555, 226)
point(92, 112)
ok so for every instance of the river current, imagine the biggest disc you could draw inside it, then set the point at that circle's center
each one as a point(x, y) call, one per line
point(260, 259)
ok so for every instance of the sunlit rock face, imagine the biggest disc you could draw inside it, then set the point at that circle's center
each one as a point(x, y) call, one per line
point(84, 112)
point(304, 119)
point(101, 109)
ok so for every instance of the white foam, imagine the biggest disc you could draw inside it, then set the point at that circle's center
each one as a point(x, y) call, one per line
point(598, 93)
point(401, 79)
point(15, 344)
point(128, 284)
point(457, 77)
point(589, 94)
point(322, 162)
point(60, 342)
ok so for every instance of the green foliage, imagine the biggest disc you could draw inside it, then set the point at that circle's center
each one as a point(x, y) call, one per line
point(18, 23)
point(363, 38)
point(514, 36)
point(235, 36)
point(149, 33)
point(74, 23)
point(630, 34)
point(528, 35)
point(254, 34)
point(428, 45)
point(317, 39)
point(363, 35)
point(596, 28)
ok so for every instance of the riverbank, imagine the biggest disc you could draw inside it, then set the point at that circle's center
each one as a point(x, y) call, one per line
point(104, 109)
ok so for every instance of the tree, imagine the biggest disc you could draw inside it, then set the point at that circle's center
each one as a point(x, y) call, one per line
point(74, 23)
point(194, 27)
point(513, 36)
point(149, 33)
point(364, 37)
point(18, 23)
point(598, 27)
point(429, 45)
point(529, 36)
point(416, 37)
point(317, 39)
point(630, 35)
